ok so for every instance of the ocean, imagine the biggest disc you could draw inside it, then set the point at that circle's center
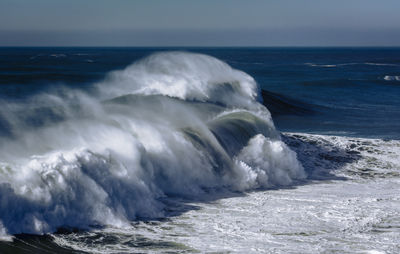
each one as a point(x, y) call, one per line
point(192, 150)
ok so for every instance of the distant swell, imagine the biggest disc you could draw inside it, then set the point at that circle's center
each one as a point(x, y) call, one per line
point(278, 104)
point(348, 64)
point(173, 123)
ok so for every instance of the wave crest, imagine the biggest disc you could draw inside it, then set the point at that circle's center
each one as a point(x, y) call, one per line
point(185, 76)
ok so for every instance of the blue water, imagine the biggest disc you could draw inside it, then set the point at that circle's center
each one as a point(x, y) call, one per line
point(134, 143)
point(340, 91)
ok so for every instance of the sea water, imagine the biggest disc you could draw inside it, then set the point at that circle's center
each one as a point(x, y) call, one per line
point(114, 150)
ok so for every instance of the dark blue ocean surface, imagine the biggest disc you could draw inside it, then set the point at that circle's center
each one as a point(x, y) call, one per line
point(121, 150)
point(338, 91)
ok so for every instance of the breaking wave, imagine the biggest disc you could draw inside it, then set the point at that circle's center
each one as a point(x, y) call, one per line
point(172, 124)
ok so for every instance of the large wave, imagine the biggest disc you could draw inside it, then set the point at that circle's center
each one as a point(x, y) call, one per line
point(173, 123)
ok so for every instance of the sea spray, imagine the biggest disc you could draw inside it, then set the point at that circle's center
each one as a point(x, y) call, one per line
point(173, 123)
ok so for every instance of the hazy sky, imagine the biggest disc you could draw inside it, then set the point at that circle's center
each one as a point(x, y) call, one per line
point(199, 23)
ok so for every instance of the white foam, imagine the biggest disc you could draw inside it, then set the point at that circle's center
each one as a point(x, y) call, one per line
point(4, 236)
point(58, 55)
point(354, 209)
point(192, 126)
point(346, 64)
point(322, 65)
point(392, 78)
point(266, 162)
point(381, 64)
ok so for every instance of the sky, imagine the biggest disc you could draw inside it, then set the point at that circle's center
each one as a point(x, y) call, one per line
point(199, 23)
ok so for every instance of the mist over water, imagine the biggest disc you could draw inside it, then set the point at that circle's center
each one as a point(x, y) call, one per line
point(172, 124)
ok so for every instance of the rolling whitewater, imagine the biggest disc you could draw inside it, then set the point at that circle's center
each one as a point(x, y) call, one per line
point(132, 150)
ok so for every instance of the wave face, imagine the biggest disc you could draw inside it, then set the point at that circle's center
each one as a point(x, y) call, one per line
point(172, 124)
